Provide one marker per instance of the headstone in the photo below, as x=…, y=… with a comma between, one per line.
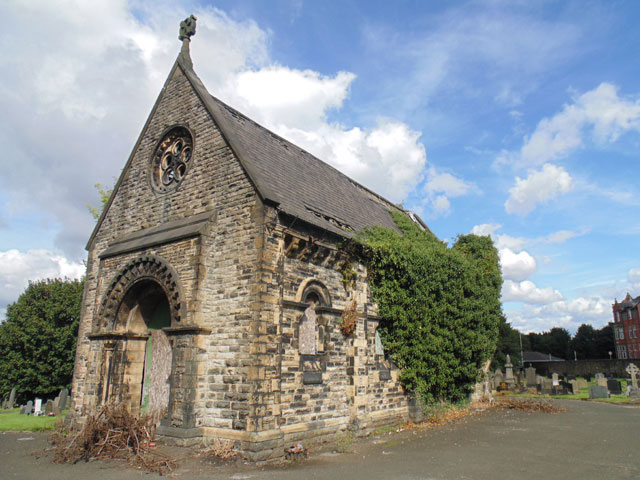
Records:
x=599, y=375
x=48, y=407
x=498, y=378
x=554, y=379
x=508, y=367
x=539, y=379
x=23, y=409
x=530, y=376
x=601, y=381
x=588, y=377
x=575, y=389
x=598, y=391
x=547, y=386
x=37, y=410
x=64, y=394
x=29, y=408
x=582, y=383
x=12, y=398
x=56, y=410
x=614, y=386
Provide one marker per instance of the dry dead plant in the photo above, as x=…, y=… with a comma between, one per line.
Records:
x=349, y=319
x=223, y=449
x=111, y=433
x=528, y=405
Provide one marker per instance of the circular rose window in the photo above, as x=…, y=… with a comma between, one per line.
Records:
x=171, y=159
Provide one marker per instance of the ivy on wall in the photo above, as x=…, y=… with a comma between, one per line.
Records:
x=440, y=306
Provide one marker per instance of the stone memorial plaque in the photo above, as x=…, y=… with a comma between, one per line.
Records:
x=308, y=332
x=384, y=374
x=312, y=378
x=379, y=349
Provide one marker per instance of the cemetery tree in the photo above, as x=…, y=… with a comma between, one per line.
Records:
x=38, y=339
x=508, y=344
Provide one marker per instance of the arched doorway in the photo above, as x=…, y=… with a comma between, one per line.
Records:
x=144, y=312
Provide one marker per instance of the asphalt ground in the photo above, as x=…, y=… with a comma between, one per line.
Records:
x=588, y=441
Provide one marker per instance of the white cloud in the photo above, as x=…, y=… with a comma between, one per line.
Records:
x=516, y=266
x=539, y=187
x=440, y=187
x=566, y=314
x=18, y=268
x=527, y=292
x=600, y=114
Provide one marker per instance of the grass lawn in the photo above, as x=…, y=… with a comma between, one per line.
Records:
x=11, y=420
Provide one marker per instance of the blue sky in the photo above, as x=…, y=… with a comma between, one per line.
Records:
x=519, y=120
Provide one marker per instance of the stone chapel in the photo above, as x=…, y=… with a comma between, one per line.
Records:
x=216, y=286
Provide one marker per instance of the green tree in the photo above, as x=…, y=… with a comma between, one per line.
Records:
x=441, y=307
x=589, y=343
x=508, y=344
x=105, y=195
x=38, y=339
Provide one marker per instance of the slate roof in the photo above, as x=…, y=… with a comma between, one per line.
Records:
x=540, y=357
x=299, y=183
x=285, y=175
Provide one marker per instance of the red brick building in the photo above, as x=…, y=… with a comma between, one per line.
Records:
x=626, y=327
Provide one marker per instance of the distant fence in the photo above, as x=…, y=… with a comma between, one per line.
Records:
x=615, y=367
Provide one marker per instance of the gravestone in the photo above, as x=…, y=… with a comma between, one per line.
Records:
x=29, y=408
x=588, y=377
x=575, y=389
x=614, y=386
x=598, y=391
x=599, y=375
x=582, y=383
x=64, y=397
x=602, y=381
x=530, y=376
x=23, y=409
x=12, y=398
x=37, y=409
x=48, y=407
x=554, y=379
x=498, y=378
x=547, y=386
x=539, y=379
x=508, y=367
x=56, y=409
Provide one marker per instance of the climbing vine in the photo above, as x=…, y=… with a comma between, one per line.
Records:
x=440, y=306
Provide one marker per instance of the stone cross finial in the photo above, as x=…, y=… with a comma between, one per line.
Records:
x=187, y=28
x=633, y=371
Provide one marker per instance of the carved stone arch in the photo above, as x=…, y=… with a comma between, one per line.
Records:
x=312, y=286
x=142, y=269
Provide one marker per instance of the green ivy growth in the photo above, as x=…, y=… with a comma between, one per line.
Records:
x=441, y=306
